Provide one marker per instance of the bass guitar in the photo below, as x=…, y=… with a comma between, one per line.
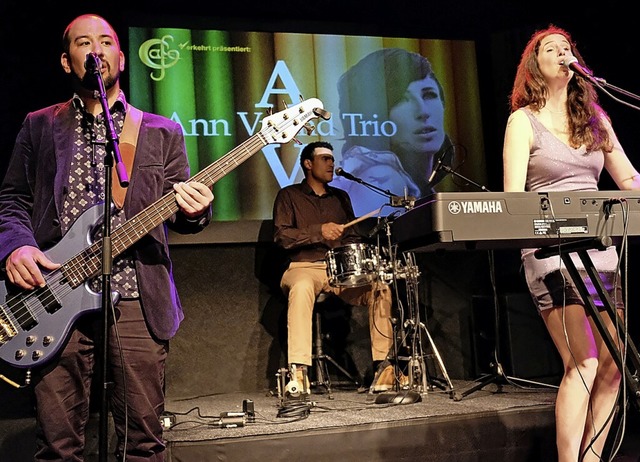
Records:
x=34, y=324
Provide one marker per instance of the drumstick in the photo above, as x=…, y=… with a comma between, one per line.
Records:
x=363, y=217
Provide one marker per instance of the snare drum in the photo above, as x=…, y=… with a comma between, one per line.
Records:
x=352, y=265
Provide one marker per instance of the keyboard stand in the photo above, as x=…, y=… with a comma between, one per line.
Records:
x=629, y=362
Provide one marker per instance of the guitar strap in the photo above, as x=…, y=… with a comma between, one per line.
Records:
x=127, y=144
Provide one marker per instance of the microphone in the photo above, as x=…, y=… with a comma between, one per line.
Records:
x=377, y=228
x=381, y=224
x=92, y=63
x=341, y=172
x=572, y=63
x=436, y=169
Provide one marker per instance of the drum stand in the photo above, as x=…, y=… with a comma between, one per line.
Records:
x=411, y=331
x=415, y=333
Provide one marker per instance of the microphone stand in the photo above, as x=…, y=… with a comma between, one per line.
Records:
x=112, y=152
x=498, y=372
x=448, y=169
x=602, y=84
x=498, y=375
x=394, y=200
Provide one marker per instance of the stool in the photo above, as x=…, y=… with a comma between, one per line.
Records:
x=320, y=359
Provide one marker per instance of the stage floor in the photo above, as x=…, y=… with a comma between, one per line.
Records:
x=499, y=422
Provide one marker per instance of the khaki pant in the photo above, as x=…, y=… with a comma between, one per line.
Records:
x=303, y=281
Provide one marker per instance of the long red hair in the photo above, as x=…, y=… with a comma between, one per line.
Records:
x=585, y=116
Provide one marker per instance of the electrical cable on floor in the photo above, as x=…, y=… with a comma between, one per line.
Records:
x=295, y=409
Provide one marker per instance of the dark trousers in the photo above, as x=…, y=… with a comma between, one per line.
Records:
x=63, y=388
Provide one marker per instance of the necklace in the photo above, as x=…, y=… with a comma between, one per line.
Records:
x=554, y=112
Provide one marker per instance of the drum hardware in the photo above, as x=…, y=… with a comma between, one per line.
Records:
x=287, y=385
x=352, y=265
x=388, y=271
x=409, y=330
x=411, y=327
x=288, y=405
x=360, y=264
x=320, y=360
x=414, y=333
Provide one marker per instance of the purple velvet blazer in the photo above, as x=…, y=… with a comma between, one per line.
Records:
x=35, y=185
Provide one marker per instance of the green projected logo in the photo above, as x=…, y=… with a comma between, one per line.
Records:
x=157, y=54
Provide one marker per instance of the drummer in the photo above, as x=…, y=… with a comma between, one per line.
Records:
x=309, y=220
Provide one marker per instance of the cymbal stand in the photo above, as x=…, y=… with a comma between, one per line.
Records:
x=419, y=378
x=411, y=327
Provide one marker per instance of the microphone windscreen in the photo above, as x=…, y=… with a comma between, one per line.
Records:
x=92, y=62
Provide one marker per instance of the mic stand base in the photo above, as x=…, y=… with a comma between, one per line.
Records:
x=499, y=379
x=398, y=397
x=479, y=384
x=497, y=376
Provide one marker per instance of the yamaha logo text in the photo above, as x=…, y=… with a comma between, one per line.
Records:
x=456, y=207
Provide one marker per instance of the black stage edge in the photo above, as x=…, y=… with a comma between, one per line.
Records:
x=509, y=435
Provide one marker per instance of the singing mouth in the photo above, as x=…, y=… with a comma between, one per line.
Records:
x=425, y=130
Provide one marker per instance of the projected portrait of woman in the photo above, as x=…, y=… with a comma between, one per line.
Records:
x=392, y=113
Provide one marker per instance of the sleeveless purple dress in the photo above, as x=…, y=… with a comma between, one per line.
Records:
x=555, y=166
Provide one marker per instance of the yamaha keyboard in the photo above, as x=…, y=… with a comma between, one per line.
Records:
x=485, y=220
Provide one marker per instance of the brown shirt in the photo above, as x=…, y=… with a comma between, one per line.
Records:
x=298, y=216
